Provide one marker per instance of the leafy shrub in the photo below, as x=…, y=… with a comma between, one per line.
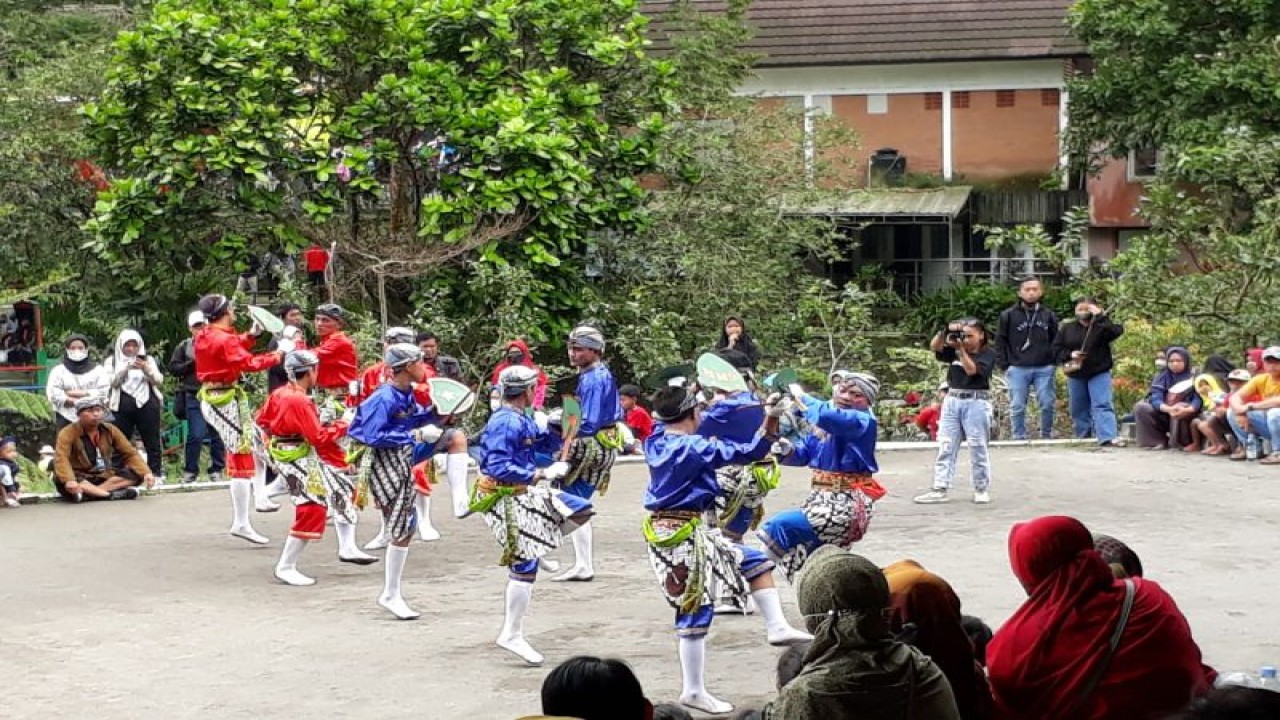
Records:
x=983, y=300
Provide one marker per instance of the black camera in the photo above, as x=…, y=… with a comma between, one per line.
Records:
x=955, y=336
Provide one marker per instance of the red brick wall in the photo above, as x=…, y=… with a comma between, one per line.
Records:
x=1113, y=199
x=989, y=142
x=907, y=127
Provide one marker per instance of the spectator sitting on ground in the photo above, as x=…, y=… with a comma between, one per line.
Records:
x=1253, y=361
x=1215, y=426
x=790, y=663
x=1054, y=658
x=593, y=688
x=979, y=634
x=95, y=461
x=855, y=670
x=1164, y=418
x=45, y=463
x=10, y=486
x=1256, y=408
x=1213, y=396
x=1122, y=560
x=926, y=615
x=635, y=416
x=1233, y=703
x=927, y=418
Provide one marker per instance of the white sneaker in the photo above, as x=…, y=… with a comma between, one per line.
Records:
x=933, y=497
x=378, y=543
x=161, y=480
x=981, y=497
x=11, y=501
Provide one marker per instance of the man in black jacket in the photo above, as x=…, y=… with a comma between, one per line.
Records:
x=187, y=406
x=1024, y=351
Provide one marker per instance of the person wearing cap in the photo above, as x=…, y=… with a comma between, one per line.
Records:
x=388, y=423
x=508, y=494
x=222, y=356
x=1213, y=424
x=696, y=567
x=93, y=460
x=840, y=450
x=1255, y=409
x=182, y=364
x=306, y=453
x=339, y=369
x=587, y=461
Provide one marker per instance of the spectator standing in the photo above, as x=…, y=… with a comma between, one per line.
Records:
x=134, y=397
x=734, y=336
x=1256, y=408
x=79, y=376
x=183, y=366
x=10, y=484
x=1025, y=352
x=966, y=412
x=291, y=314
x=316, y=259
x=95, y=461
x=1164, y=418
x=247, y=283
x=438, y=365
x=517, y=353
x=1083, y=348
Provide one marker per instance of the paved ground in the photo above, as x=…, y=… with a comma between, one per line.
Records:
x=145, y=609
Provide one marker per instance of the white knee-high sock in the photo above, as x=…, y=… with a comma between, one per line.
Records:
x=583, y=539
x=422, y=506
x=381, y=540
x=391, y=599
x=287, y=566
x=693, y=661
x=346, y=533
x=778, y=630
x=519, y=593
x=455, y=472
x=241, y=495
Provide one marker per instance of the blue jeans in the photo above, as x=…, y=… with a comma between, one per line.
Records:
x=1091, y=409
x=963, y=419
x=1021, y=379
x=1263, y=423
x=197, y=432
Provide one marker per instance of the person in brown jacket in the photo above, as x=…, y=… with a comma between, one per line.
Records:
x=95, y=461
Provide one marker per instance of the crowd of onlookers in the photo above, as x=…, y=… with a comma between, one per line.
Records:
x=1094, y=640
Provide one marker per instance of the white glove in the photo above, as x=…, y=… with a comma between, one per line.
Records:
x=555, y=417
x=291, y=332
x=628, y=437
x=777, y=406
x=540, y=419
x=782, y=448
x=255, y=329
x=556, y=470
x=428, y=434
x=286, y=346
x=348, y=415
x=796, y=391
x=326, y=414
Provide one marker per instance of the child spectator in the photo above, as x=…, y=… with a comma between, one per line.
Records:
x=9, y=471
x=927, y=419
x=1212, y=425
x=636, y=418
x=46, y=461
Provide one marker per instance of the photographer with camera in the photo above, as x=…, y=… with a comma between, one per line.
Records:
x=135, y=399
x=966, y=412
x=1083, y=348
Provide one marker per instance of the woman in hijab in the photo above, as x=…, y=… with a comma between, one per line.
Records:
x=1165, y=416
x=135, y=396
x=926, y=614
x=734, y=336
x=78, y=376
x=1122, y=560
x=855, y=670
x=1053, y=660
x=517, y=353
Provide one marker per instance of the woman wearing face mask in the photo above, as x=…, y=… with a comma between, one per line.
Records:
x=1165, y=416
x=134, y=397
x=77, y=377
x=1083, y=348
x=517, y=353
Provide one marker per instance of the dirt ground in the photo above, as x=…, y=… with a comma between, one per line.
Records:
x=148, y=609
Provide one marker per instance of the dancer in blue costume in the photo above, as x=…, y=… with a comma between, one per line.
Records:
x=595, y=448
x=696, y=565
x=528, y=520
x=840, y=449
x=388, y=423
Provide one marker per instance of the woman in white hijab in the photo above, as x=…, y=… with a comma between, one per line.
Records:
x=135, y=396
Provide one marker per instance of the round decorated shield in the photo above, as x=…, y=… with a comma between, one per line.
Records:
x=450, y=397
x=674, y=375
x=716, y=372
x=266, y=319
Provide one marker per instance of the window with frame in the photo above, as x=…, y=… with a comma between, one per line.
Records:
x=933, y=101
x=1144, y=163
x=960, y=99
x=1006, y=98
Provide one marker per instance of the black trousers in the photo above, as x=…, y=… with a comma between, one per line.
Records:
x=146, y=420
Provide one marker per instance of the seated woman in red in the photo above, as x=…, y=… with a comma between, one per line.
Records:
x=1055, y=660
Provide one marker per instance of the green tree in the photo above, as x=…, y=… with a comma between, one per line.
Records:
x=410, y=132
x=1198, y=81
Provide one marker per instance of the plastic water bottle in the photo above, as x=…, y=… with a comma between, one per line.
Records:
x=1251, y=447
x=1267, y=679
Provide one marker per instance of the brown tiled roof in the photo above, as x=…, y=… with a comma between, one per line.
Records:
x=869, y=32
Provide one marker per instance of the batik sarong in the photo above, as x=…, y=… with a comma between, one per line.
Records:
x=528, y=521
x=310, y=479
x=391, y=484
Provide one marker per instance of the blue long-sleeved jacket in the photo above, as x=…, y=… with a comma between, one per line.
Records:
x=508, y=446
x=849, y=445
x=736, y=418
x=682, y=468
x=598, y=395
x=387, y=418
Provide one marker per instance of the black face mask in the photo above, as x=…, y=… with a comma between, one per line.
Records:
x=1084, y=317
x=515, y=357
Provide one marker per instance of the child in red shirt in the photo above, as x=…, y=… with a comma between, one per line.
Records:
x=636, y=417
x=927, y=419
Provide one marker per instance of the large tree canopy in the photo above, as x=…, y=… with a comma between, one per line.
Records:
x=408, y=131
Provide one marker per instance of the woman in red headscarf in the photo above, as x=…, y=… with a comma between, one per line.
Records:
x=517, y=353
x=1052, y=660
